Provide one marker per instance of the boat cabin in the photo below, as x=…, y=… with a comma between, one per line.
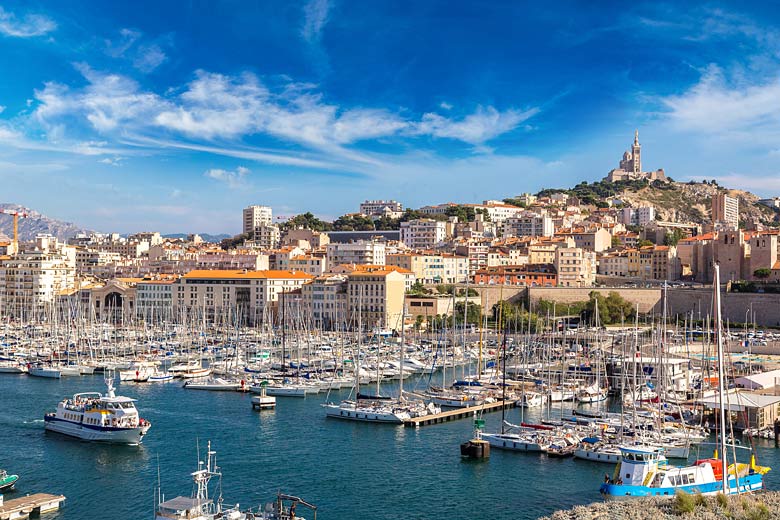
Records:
x=182, y=508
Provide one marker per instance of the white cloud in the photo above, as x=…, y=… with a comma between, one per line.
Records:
x=214, y=113
x=714, y=106
x=111, y=161
x=477, y=128
x=315, y=14
x=446, y=106
x=29, y=26
x=2, y=108
x=233, y=178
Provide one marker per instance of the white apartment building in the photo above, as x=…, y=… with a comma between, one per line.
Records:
x=256, y=216
x=529, y=225
x=423, y=233
x=432, y=268
x=575, y=266
x=637, y=216
x=382, y=208
x=725, y=210
x=363, y=252
x=32, y=279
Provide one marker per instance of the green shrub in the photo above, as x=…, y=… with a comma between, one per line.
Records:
x=683, y=503
x=722, y=500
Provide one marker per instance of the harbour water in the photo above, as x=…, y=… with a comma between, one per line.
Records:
x=349, y=470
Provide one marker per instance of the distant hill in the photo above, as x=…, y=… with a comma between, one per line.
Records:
x=673, y=201
x=36, y=223
x=205, y=236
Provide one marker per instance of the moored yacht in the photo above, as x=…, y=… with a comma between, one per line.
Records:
x=91, y=416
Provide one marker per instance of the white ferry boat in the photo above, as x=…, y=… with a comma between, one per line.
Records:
x=103, y=418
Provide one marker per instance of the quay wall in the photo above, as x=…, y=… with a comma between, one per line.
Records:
x=763, y=308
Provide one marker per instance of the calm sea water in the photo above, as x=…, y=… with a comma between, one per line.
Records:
x=350, y=470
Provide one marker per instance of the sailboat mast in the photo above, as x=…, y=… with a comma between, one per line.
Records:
x=721, y=373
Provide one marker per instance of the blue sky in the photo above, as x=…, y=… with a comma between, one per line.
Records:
x=172, y=116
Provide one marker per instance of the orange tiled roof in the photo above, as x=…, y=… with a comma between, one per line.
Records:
x=240, y=274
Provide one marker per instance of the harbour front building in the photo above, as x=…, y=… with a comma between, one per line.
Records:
x=225, y=294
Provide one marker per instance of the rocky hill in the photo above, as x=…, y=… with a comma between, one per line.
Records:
x=36, y=223
x=673, y=201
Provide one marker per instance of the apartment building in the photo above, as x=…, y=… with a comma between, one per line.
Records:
x=256, y=216
x=32, y=279
x=432, y=268
x=154, y=296
x=637, y=216
x=725, y=210
x=382, y=208
x=530, y=275
x=529, y=225
x=314, y=265
x=325, y=297
x=423, y=233
x=361, y=252
x=247, y=293
x=377, y=297
x=575, y=267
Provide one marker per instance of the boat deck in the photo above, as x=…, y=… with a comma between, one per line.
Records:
x=29, y=505
x=457, y=413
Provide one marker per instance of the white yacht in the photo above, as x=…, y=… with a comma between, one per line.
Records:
x=91, y=416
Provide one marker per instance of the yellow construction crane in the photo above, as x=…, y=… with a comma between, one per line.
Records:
x=15, y=215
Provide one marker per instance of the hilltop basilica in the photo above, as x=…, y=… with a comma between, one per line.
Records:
x=630, y=168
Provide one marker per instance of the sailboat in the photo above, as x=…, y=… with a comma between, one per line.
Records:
x=378, y=408
x=643, y=471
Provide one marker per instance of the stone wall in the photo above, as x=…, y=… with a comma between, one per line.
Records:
x=765, y=308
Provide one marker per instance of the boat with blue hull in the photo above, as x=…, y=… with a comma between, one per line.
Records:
x=642, y=472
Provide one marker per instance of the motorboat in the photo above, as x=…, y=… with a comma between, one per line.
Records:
x=91, y=416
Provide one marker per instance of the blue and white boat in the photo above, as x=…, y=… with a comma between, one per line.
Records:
x=642, y=472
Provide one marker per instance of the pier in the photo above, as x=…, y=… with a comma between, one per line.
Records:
x=457, y=413
x=29, y=505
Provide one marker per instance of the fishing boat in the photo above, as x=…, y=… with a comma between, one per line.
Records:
x=642, y=472
x=199, y=506
x=91, y=416
x=7, y=481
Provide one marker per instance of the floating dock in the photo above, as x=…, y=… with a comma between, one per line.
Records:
x=29, y=505
x=457, y=413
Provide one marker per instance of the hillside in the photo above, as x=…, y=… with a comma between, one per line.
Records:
x=674, y=201
x=36, y=223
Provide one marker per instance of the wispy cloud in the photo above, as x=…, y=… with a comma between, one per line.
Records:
x=315, y=16
x=28, y=26
x=477, y=128
x=714, y=106
x=130, y=45
x=215, y=109
x=233, y=178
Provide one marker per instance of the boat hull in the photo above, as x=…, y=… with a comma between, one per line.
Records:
x=747, y=484
x=597, y=456
x=510, y=442
x=363, y=415
x=92, y=433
